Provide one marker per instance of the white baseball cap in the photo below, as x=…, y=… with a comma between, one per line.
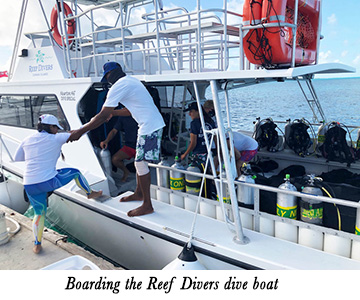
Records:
x=50, y=120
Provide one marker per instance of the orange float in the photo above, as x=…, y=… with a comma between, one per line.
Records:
x=252, y=10
x=71, y=25
x=275, y=43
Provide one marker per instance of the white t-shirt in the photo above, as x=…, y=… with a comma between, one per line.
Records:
x=40, y=153
x=243, y=142
x=131, y=93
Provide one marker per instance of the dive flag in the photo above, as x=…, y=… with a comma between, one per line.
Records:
x=3, y=74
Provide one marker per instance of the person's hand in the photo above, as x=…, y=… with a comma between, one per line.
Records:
x=74, y=136
x=183, y=156
x=103, y=145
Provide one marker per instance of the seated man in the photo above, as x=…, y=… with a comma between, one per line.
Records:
x=197, y=142
x=130, y=128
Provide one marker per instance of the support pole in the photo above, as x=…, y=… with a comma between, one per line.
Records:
x=239, y=238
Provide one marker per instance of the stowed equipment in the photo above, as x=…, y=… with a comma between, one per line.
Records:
x=266, y=135
x=335, y=146
x=297, y=137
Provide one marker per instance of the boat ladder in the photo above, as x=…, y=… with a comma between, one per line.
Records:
x=312, y=99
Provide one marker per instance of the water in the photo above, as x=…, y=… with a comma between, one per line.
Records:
x=339, y=98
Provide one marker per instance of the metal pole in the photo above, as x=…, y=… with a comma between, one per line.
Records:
x=157, y=28
x=198, y=39
x=240, y=238
x=294, y=33
x=17, y=39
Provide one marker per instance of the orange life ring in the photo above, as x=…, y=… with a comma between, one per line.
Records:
x=275, y=43
x=71, y=25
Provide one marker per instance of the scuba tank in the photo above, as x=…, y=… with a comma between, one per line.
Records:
x=355, y=250
x=192, y=182
x=105, y=157
x=357, y=223
x=177, y=182
x=357, y=145
x=225, y=189
x=311, y=211
x=245, y=194
x=256, y=126
x=287, y=131
x=286, y=205
x=358, y=140
x=321, y=136
x=162, y=175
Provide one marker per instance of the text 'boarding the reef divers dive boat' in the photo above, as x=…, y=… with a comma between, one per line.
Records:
x=281, y=213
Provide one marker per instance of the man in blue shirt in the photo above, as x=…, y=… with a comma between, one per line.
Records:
x=197, y=142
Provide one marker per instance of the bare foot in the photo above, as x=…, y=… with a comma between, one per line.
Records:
x=133, y=197
x=37, y=249
x=141, y=210
x=94, y=194
x=125, y=175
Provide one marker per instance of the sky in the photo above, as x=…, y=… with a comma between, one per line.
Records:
x=341, y=41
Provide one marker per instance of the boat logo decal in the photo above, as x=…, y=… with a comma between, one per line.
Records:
x=40, y=67
x=39, y=57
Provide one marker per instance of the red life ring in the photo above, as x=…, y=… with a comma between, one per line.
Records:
x=71, y=25
x=274, y=44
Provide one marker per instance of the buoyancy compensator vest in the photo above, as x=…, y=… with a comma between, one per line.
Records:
x=335, y=146
x=267, y=136
x=298, y=138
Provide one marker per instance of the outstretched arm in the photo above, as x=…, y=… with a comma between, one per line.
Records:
x=95, y=122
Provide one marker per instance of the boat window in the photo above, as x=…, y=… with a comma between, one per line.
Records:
x=24, y=111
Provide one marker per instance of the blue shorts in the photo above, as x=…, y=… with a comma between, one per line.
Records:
x=37, y=192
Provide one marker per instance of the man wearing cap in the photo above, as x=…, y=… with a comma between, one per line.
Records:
x=40, y=152
x=197, y=142
x=138, y=103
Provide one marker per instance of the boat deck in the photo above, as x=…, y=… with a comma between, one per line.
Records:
x=17, y=253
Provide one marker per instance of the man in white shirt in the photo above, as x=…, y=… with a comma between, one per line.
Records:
x=138, y=103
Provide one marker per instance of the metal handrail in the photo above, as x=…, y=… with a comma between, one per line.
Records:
x=3, y=143
x=267, y=188
x=256, y=210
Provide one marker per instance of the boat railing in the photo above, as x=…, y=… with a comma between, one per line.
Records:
x=258, y=216
x=3, y=144
x=165, y=40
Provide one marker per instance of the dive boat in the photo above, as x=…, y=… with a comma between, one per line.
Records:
x=180, y=54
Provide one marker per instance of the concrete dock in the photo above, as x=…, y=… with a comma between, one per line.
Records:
x=17, y=253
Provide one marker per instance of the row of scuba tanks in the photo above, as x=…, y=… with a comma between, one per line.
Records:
x=177, y=180
x=310, y=211
x=329, y=142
